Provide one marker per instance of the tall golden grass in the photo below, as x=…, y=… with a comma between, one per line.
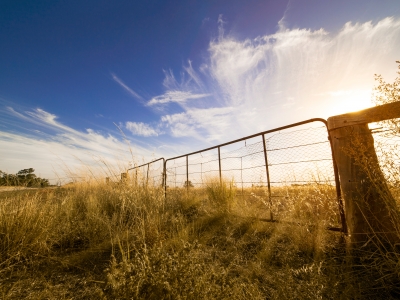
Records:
x=95, y=240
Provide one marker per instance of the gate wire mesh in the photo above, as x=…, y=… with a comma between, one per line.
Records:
x=149, y=174
x=268, y=167
x=387, y=148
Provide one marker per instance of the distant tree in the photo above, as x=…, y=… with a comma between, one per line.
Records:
x=25, y=177
x=8, y=179
x=44, y=182
x=2, y=181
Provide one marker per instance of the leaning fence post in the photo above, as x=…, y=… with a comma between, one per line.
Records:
x=268, y=181
x=370, y=208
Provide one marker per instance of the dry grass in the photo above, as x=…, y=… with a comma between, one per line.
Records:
x=121, y=241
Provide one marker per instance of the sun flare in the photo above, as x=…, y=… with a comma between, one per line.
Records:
x=349, y=101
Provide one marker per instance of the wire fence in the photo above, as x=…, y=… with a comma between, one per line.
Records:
x=151, y=173
x=269, y=167
x=276, y=158
x=262, y=166
x=387, y=147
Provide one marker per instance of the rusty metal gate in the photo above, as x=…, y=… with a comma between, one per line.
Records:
x=263, y=165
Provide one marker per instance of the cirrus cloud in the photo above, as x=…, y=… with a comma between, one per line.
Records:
x=278, y=79
x=141, y=129
x=175, y=96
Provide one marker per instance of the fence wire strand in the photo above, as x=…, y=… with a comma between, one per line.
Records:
x=294, y=157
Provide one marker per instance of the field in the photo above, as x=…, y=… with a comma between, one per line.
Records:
x=121, y=241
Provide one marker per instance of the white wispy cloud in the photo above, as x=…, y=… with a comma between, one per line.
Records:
x=139, y=128
x=199, y=123
x=221, y=23
x=127, y=88
x=278, y=79
x=175, y=96
x=63, y=149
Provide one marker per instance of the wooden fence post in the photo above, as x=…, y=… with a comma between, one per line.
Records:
x=370, y=208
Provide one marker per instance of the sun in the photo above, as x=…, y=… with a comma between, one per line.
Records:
x=349, y=101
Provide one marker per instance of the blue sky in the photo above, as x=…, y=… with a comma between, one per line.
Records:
x=177, y=76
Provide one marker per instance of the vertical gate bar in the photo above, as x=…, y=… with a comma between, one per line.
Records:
x=201, y=173
x=219, y=162
x=147, y=179
x=187, y=172
x=338, y=189
x=241, y=174
x=165, y=182
x=267, y=171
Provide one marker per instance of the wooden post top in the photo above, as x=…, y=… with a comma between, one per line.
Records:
x=369, y=115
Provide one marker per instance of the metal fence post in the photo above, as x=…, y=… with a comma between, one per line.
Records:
x=268, y=181
x=201, y=173
x=219, y=162
x=165, y=179
x=338, y=189
x=147, y=178
x=187, y=172
x=241, y=174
